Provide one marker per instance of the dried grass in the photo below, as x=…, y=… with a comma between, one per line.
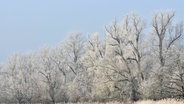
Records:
x=164, y=101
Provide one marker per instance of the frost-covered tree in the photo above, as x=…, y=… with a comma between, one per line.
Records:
x=74, y=50
x=50, y=75
x=167, y=34
x=124, y=40
x=127, y=64
x=21, y=78
x=95, y=52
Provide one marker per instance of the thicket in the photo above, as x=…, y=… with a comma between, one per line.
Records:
x=134, y=61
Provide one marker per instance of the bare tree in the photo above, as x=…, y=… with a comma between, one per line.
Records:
x=167, y=34
x=126, y=37
x=74, y=49
x=95, y=52
x=51, y=76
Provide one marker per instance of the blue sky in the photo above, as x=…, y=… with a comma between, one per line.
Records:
x=27, y=25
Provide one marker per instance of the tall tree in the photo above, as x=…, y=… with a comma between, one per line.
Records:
x=125, y=45
x=50, y=75
x=167, y=34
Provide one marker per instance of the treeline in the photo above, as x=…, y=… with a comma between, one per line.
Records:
x=133, y=61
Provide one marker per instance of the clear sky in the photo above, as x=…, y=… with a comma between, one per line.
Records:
x=27, y=25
